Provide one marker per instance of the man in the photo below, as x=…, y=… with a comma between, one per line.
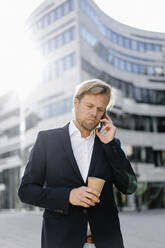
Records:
x=61, y=161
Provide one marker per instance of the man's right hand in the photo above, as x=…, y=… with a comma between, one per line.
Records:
x=84, y=196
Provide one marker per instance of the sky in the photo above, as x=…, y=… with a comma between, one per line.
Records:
x=15, y=63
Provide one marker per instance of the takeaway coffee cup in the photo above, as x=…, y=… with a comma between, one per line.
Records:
x=96, y=183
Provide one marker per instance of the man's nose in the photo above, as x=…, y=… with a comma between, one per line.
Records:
x=94, y=112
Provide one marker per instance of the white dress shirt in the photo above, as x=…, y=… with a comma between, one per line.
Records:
x=82, y=150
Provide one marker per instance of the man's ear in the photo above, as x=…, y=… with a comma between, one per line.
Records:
x=76, y=102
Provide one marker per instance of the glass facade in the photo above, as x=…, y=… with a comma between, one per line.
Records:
x=108, y=56
x=10, y=114
x=10, y=154
x=140, y=95
x=135, y=122
x=147, y=37
x=58, y=41
x=31, y=121
x=147, y=155
x=114, y=37
x=142, y=154
x=56, y=109
x=10, y=178
x=54, y=15
x=45, y=9
x=11, y=132
x=58, y=28
x=57, y=68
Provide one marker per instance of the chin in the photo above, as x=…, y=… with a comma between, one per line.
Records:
x=91, y=128
x=87, y=127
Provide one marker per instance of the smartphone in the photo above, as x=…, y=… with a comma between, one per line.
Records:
x=100, y=125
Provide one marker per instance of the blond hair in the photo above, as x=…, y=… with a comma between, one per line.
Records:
x=94, y=86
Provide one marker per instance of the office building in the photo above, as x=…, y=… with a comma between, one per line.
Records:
x=78, y=41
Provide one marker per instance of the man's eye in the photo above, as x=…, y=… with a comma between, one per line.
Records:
x=89, y=106
x=101, y=110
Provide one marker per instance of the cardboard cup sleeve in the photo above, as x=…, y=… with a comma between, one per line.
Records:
x=96, y=183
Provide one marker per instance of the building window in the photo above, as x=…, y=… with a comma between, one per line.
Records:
x=161, y=124
x=87, y=36
x=140, y=95
x=55, y=14
x=66, y=8
x=57, y=69
x=157, y=47
x=127, y=42
x=141, y=46
x=56, y=109
x=128, y=66
x=31, y=121
x=52, y=16
x=150, y=70
x=141, y=69
x=10, y=114
x=149, y=47
x=10, y=154
x=137, y=94
x=122, y=64
x=159, y=71
x=11, y=132
x=46, y=20
x=58, y=41
x=160, y=97
x=115, y=37
x=116, y=62
x=135, y=68
x=106, y=54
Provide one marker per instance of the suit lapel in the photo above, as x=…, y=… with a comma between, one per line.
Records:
x=95, y=157
x=69, y=151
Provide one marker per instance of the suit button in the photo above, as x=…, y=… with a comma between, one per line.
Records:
x=59, y=211
x=85, y=211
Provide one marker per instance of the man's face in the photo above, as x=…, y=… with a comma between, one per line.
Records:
x=89, y=110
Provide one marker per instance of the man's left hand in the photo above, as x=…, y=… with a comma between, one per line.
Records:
x=108, y=130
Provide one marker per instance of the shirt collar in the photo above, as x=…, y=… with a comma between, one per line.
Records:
x=73, y=130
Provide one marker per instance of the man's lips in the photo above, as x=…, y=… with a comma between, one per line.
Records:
x=91, y=120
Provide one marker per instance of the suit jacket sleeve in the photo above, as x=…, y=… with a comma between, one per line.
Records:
x=123, y=175
x=32, y=189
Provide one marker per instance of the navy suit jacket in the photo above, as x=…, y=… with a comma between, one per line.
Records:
x=52, y=172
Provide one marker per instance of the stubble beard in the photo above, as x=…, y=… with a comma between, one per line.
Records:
x=86, y=126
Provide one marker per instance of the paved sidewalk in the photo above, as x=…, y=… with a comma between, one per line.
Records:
x=20, y=230
x=140, y=230
x=143, y=230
